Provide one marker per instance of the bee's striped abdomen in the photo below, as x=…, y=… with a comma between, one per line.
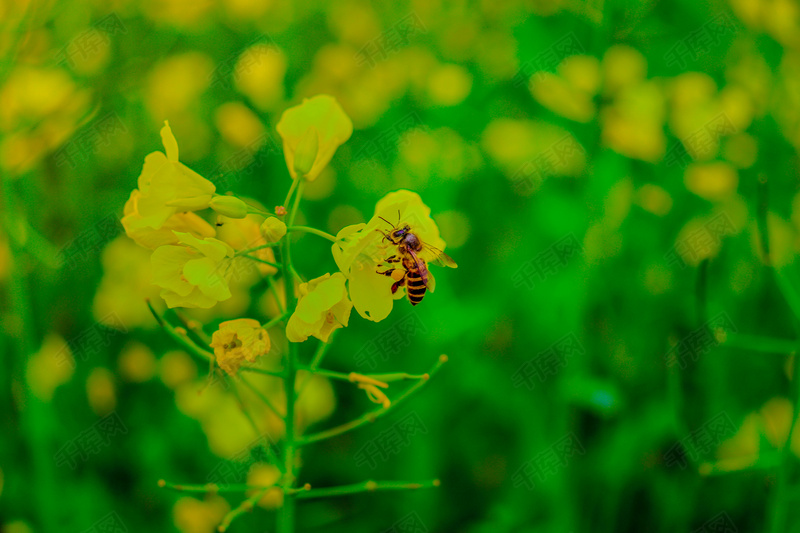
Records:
x=415, y=287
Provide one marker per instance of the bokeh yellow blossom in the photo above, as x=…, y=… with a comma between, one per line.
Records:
x=264, y=475
x=127, y=281
x=239, y=341
x=194, y=274
x=322, y=307
x=191, y=515
x=311, y=133
x=50, y=367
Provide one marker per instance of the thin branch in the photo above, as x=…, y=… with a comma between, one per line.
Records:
x=258, y=260
x=314, y=231
x=372, y=415
x=262, y=397
x=366, y=486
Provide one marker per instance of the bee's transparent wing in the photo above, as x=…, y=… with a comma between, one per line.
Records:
x=439, y=257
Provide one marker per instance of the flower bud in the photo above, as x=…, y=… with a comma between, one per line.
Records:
x=229, y=206
x=306, y=152
x=273, y=229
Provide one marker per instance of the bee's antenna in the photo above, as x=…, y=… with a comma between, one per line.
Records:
x=398, y=216
x=380, y=217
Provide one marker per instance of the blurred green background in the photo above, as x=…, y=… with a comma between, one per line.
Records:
x=617, y=181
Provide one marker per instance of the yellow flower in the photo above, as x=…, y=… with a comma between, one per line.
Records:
x=193, y=274
x=237, y=341
x=168, y=186
x=151, y=237
x=311, y=133
x=323, y=307
x=361, y=249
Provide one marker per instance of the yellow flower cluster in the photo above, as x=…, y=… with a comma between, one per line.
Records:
x=193, y=264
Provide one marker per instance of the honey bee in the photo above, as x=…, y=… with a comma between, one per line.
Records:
x=414, y=270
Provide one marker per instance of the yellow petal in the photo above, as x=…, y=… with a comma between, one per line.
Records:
x=170, y=144
x=333, y=126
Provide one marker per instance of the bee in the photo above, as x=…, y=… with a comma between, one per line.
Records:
x=414, y=270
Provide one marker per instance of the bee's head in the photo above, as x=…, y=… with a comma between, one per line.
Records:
x=401, y=232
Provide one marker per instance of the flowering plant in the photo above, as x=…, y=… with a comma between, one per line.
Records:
x=197, y=266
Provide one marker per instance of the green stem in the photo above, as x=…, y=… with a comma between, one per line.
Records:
x=284, y=315
x=273, y=459
x=256, y=211
x=211, y=487
x=315, y=231
x=262, y=261
x=286, y=513
x=180, y=338
x=295, y=183
x=254, y=249
x=257, y=370
x=366, y=486
x=386, y=378
x=372, y=416
x=319, y=355
x=261, y=396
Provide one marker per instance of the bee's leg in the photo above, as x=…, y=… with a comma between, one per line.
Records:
x=398, y=275
x=399, y=283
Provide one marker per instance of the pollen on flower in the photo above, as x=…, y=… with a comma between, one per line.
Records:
x=239, y=341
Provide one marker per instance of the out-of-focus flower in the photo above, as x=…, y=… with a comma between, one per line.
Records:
x=191, y=515
x=127, y=281
x=360, y=251
x=264, y=475
x=174, y=85
x=242, y=234
x=50, y=367
x=532, y=150
x=259, y=74
x=239, y=126
x=239, y=341
x=273, y=229
x=152, y=238
x=167, y=187
x=322, y=307
x=176, y=368
x=311, y=133
x=136, y=363
x=449, y=85
x=770, y=424
x=633, y=124
x=40, y=108
x=194, y=274
x=713, y=181
x=570, y=92
x=101, y=391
